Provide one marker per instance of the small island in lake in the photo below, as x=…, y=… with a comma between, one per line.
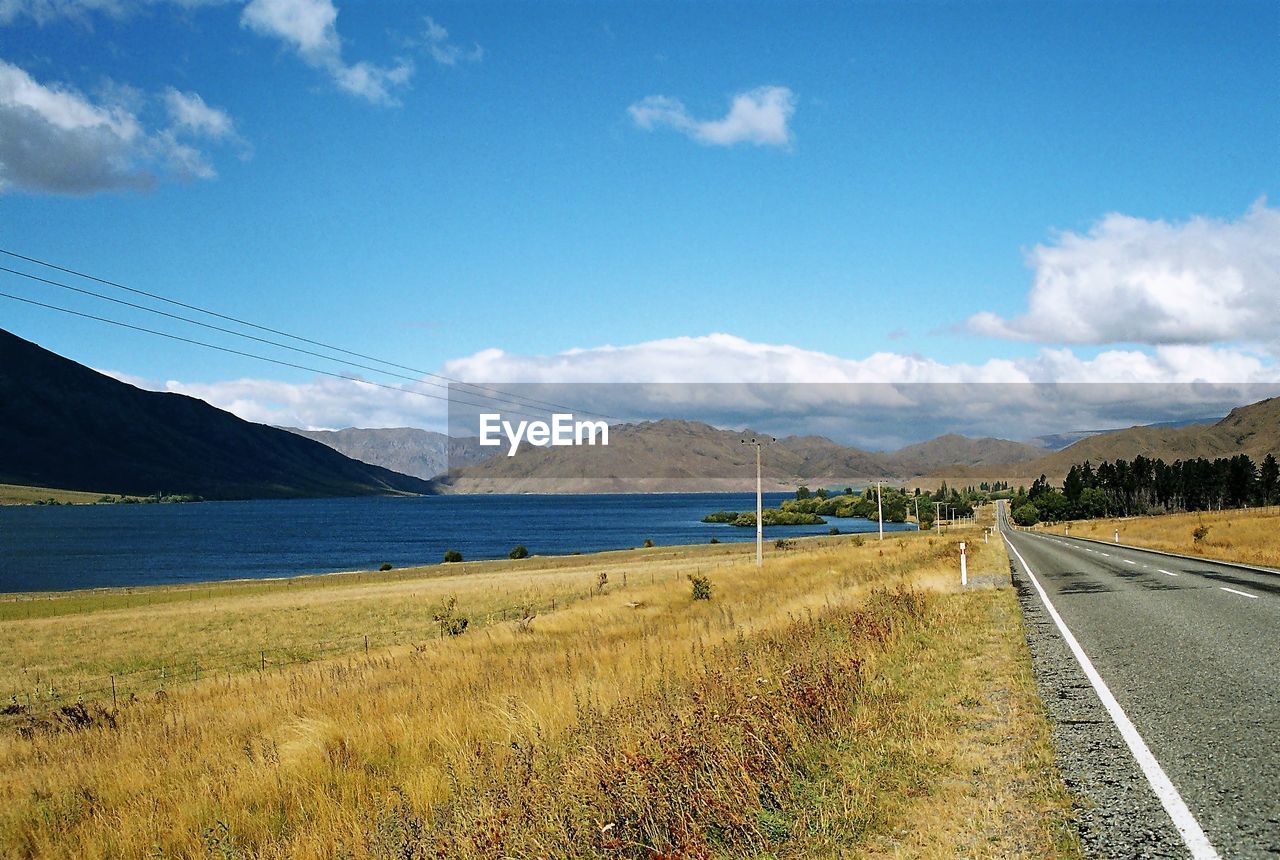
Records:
x=772, y=517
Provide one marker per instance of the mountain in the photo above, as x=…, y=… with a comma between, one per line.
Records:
x=954, y=449
x=422, y=453
x=672, y=455
x=65, y=426
x=1058, y=441
x=1252, y=430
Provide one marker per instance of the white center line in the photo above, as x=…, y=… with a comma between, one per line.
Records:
x=1192, y=835
x=1107, y=554
x=1166, y=572
x=1241, y=593
x=1126, y=561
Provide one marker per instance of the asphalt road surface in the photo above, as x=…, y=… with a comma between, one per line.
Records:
x=1177, y=662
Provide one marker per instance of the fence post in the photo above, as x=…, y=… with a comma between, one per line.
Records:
x=113, y=692
x=964, y=567
x=262, y=658
x=366, y=644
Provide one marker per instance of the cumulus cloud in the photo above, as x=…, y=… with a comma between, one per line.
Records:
x=323, y=403
x=310, y=28
x=55, y=139
x=189, y=111
x=759, y=116
x=882, y=400
x=435, y=38
x=1130, y=280
x=47, y=11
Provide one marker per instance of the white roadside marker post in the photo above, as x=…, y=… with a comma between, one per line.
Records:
x=1117, y=535
x=964, y=567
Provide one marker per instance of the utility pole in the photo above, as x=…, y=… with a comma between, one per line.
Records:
x=880, y=510
x=937, y=515
x=759, y=443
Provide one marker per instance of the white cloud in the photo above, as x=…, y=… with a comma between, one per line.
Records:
x=759, y=116
x=435, y=38
x=882, y=400
x=189, y=111
x=1129, y=280
x=55, y=139
x=310, y=28
x=725, y=358
x=323, y=403
x=48, y=11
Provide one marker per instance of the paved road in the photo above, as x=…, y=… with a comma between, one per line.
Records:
x=1190, y=651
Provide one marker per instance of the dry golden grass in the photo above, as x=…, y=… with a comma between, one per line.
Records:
x=1250, y=536
x=15, y=494
x=74, y=642
x=383, y=755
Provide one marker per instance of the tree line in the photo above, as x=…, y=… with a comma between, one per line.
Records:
x=1143, y=486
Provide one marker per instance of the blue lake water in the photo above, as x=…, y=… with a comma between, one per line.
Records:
x=93, y=546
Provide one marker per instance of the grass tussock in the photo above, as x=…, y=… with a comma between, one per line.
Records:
x=806, y=709
x=1248, y=536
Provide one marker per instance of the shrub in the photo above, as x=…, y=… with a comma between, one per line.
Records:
x=451, y=622
x=784, y=543
x=1026, y=515
x=385, y=566
x=520, y=551
x=715, y=540
x=701, y=586
x=452, y=555
x=648, y=543
x=859, y=540
x=602, y=579
x=833, y=530
x=1199, y=533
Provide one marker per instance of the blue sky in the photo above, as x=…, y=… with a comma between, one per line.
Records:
x=436, y=183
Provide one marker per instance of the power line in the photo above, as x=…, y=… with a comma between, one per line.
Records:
x=226, y=349
x=225, y=330
x=299, y=338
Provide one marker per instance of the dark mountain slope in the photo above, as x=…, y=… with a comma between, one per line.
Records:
x=66, y=426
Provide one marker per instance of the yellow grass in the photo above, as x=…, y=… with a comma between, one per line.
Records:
x=370, y=756
x=1249, y=536
x=14, y=494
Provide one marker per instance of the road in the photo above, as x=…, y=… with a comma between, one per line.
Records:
x=1189, y=651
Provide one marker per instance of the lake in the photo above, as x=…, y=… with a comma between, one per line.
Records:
x=94, y=546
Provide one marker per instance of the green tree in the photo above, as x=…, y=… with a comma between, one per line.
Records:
x=1269, y=480
x=1027, y=515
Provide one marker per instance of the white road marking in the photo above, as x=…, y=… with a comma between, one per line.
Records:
x=1126, y=561
x=1166, y=572
x=1107, y=554
x=1192, y=835
x=1241, y=593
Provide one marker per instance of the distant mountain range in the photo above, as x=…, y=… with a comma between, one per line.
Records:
x=422, y=453
x=1058, y=441
x=672, y=455
x=1252, y=430
x=65, y=426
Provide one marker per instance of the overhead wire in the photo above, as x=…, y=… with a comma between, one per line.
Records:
x=245, y=354
x=299, y=338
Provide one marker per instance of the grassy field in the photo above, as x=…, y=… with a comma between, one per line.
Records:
x=843, y=701
x=1250, y=536
x=14, y=494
